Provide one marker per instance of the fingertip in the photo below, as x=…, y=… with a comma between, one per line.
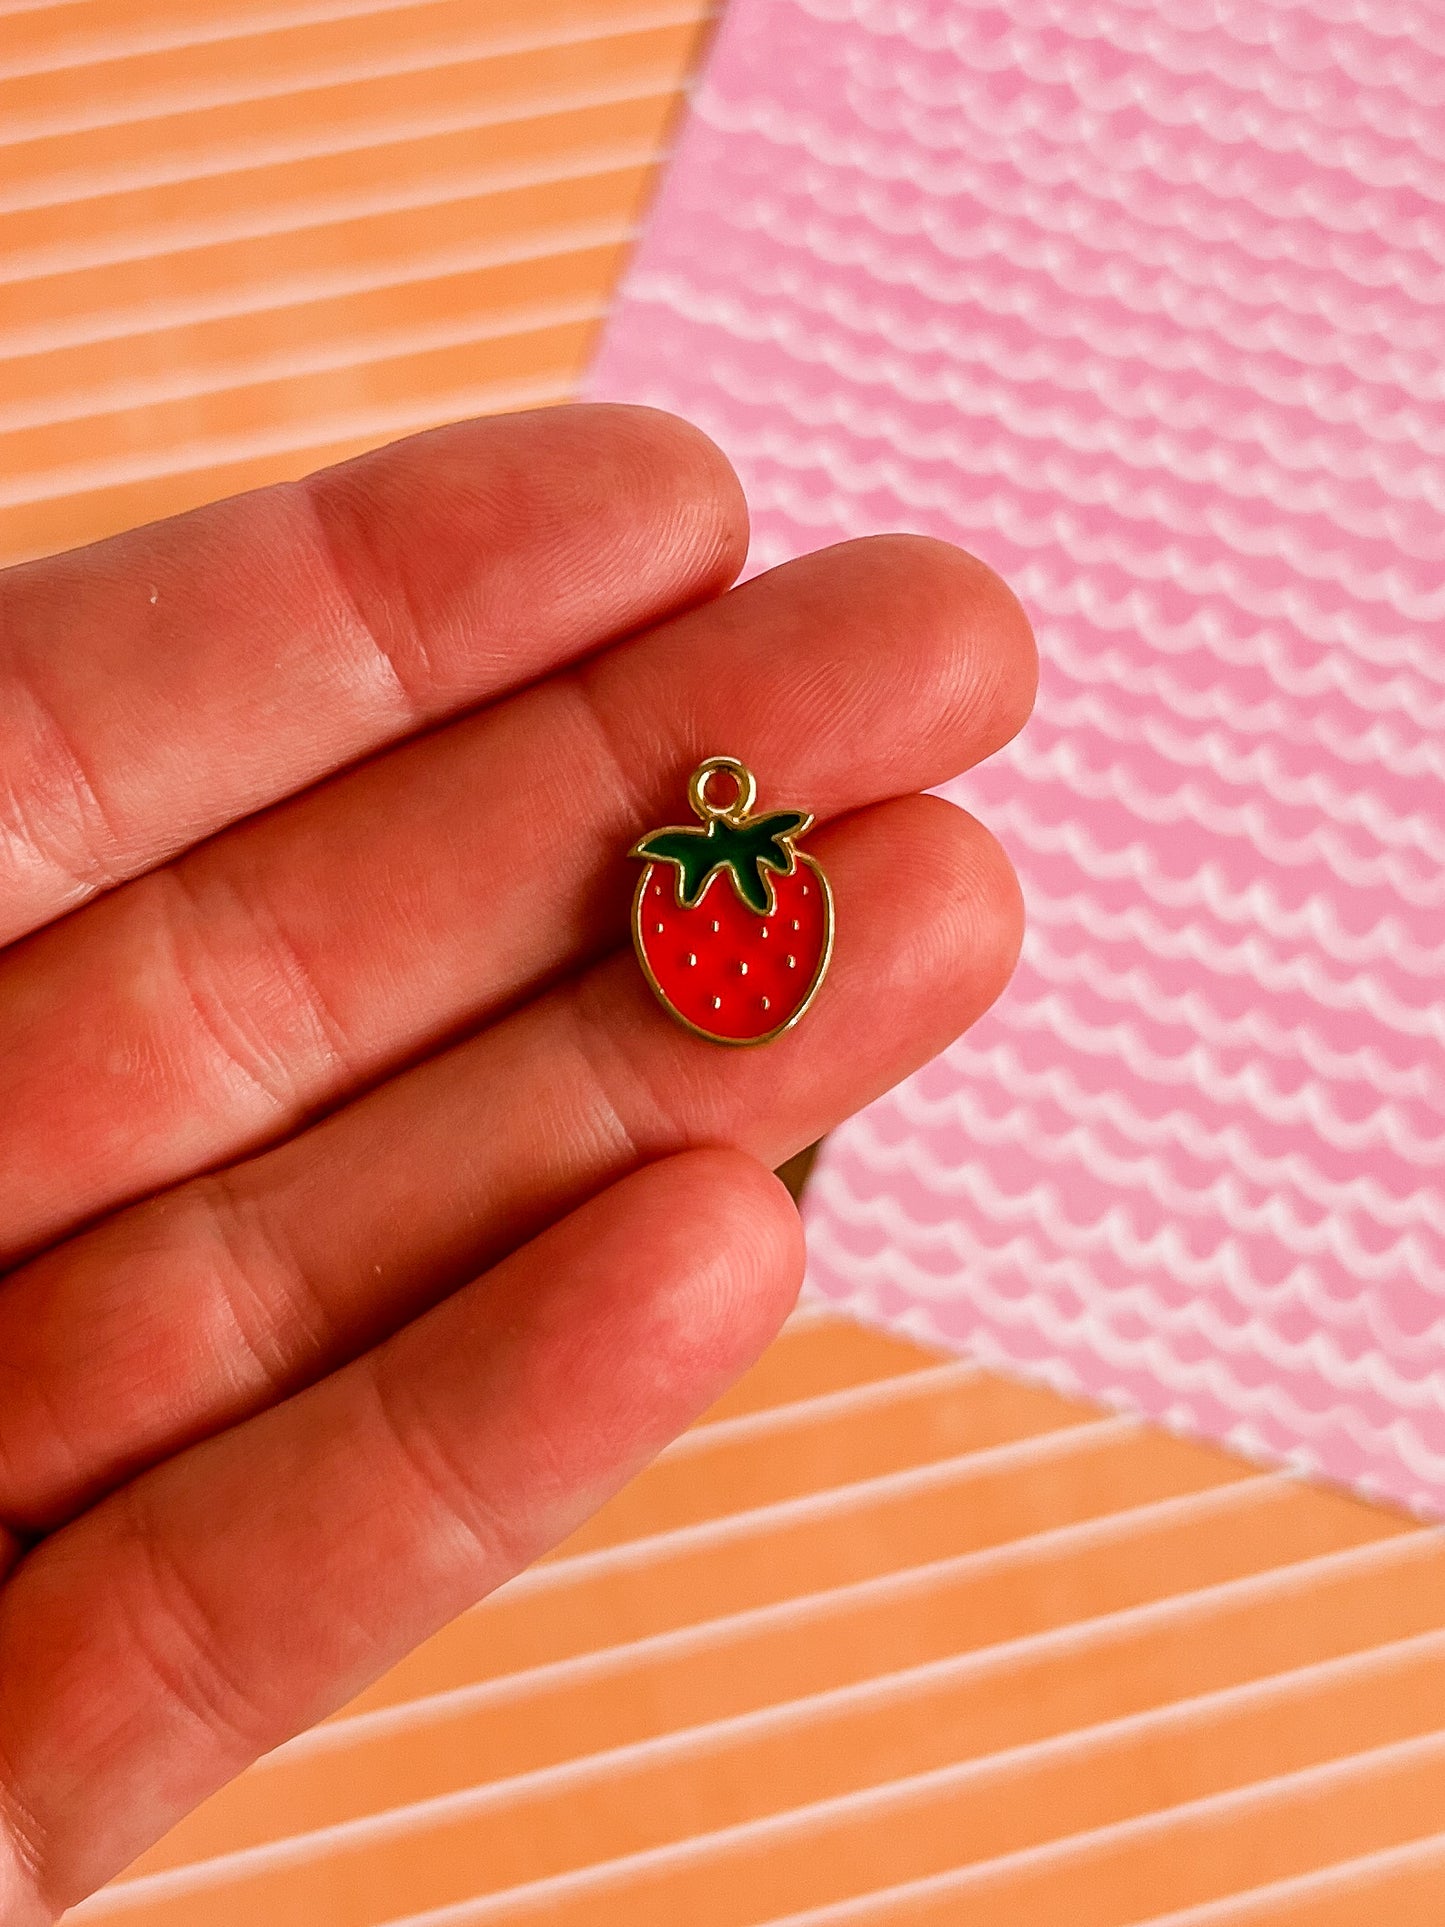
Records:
x=744, y=1241
x=532, y=537
x=757, y=1213
x=996, y=900
x=930, y=921
x=977, y=925
x=901, y=660
x=678, y=467
x=976, y=624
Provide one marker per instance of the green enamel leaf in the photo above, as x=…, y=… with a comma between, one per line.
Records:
x=743, y=849
x=692, y=851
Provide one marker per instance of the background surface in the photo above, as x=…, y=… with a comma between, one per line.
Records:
x=887, y=1638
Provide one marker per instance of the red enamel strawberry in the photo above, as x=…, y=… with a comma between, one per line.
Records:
x=733, y=924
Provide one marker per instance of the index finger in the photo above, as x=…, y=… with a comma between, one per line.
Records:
x=158, y=686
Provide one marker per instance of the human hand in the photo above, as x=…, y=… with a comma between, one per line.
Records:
x=365, y=1222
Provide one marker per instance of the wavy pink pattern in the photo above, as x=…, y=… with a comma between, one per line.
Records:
x=1144, y=300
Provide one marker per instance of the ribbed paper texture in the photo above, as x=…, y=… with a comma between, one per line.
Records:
x=238, y=243
x=887, y=1640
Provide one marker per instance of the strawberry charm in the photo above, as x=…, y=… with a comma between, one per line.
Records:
x=733, y=926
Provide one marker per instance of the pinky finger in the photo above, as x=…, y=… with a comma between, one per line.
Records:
x=256, y=1582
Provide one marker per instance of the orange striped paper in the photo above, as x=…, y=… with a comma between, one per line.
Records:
x=884, y=1639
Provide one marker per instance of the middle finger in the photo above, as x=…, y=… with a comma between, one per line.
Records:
x=204, y=1305
x=213, y=1006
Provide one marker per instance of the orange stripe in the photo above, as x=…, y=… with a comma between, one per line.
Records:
x=234, y=246
x=749, y=1691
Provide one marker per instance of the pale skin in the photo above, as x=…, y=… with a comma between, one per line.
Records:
x=364, y=1222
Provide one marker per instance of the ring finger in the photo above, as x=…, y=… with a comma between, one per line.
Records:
x=209, y=1303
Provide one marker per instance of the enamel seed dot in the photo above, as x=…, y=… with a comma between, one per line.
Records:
x=715, y=924
x=764, y=1002
x=658, y=928
x=792, y=963
x=796, y=924
x=717, y=1003
x=691, y=958
x=742, y=970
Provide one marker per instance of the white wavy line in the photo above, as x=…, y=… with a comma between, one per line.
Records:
x=1197, y=1068
x=1419, y=1458
x=1376, y=1447
x=1048, y=1274
x=1280, y=543
x=1313, y=922
x=1135, y=860
x=1064, y=762
x=1189, y=337
x=1369, y=17
x=1028, y=233
x=1077, y=593
x=904, y=138
x=1108, y=372
x=1267, y=78
x=1257, y=770
x=1046, y=430
x=933, y=494
x=1226, y=1196
x=1225, y=1264
x=1002, y=515
x=1191, y=1010
x=1258, y=764
x=1380, y=745
x=1046, y=230
x=1248, y=823
x=889, y=359
x=888, y=147
x=1250, y=958
x=1189, y=53
x=1230, y=1144
x=1054, y=1280
x=1091, y=367
x=1176, y=216
x=1223, y=1202
x=1194, y=233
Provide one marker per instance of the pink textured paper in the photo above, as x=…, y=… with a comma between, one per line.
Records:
x=1145, y=303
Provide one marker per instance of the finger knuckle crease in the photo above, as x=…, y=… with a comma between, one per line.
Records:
x=57, y=812
x=274, y=1309
x=26, y=1837
x=628, y=1106
x=255, y=1001
x=180, y=1646
x=616, y=776
x=445, y=1482
x=357, y=609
